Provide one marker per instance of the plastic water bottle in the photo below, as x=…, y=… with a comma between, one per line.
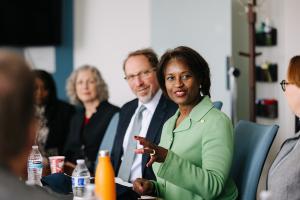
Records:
x=89, y=193
x=35, y=167
x=105, y=187
x=80, y=178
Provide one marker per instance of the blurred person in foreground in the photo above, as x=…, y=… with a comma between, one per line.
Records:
x=17, y=127
x=55, y=115
x=194, y=156
x=87, y=89
x=283, y=178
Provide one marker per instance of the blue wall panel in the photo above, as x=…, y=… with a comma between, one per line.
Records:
x=64, y=52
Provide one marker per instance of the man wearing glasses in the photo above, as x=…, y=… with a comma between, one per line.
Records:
x=143, y=116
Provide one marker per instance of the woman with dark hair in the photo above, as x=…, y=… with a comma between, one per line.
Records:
x=55, y=115
x=283, y=178
x=194, y=156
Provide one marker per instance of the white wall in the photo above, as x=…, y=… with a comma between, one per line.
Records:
x=204, y=25
x=105, y=31
x=291, y=28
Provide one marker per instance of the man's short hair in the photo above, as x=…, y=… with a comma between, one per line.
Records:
x=148, y=53
x=16, y=104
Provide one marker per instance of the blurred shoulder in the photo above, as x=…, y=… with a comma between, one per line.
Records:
x=219, y=115
x=12, y=188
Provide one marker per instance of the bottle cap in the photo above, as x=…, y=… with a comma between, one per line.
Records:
x=103, y=153
x=35, y=147
x=80, y=161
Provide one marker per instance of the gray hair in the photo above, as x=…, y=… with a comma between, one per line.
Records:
x=102, y=91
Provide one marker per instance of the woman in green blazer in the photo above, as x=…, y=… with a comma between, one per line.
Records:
x=193, y=159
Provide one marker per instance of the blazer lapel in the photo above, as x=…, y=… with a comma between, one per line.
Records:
x=157, y=121
x=286, y=148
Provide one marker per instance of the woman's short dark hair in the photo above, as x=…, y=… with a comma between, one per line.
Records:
x=191, y=59
x=48, y=82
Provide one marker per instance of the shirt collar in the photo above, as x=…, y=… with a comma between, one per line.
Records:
x=197, y=113
x=152, y=104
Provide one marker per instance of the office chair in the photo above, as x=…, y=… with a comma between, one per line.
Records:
x=110, y=134
x=218, y=104
x=252, y=144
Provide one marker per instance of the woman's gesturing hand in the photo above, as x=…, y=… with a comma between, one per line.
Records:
x=143, y=186
x=157, y=153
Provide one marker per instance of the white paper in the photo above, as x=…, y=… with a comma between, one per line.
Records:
x=148, y=197
x=121, y=182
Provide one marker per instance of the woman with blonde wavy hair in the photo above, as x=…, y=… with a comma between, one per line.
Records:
x=86, y=88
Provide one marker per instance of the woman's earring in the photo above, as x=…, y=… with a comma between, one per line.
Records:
x=201, y=93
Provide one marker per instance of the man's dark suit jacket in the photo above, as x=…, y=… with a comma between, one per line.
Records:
x=88, y=136
x=164, y=110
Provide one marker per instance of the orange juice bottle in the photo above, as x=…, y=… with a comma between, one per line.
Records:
x=105, y=187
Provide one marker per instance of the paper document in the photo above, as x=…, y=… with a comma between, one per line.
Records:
x=148, y=197
x=121, y=182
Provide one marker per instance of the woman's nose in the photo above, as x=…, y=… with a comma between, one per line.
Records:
x=86, y=84
x=178, y=82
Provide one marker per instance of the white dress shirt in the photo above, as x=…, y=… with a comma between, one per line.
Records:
x=136, y=169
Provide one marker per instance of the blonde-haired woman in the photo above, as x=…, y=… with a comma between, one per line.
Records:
x=283, y=178
x=86, y=88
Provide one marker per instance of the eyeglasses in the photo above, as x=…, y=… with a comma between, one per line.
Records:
x=143, y=74
x=283, y=84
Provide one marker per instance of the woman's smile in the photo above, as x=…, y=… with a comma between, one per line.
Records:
x=180, y=93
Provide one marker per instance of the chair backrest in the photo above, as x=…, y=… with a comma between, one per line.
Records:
x=218, y=104
x=110, y=134
x=252, y=144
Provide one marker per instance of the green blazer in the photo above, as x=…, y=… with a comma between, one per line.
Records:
x=199, y=159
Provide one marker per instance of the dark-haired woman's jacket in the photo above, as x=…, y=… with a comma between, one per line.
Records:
x=58, y=115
